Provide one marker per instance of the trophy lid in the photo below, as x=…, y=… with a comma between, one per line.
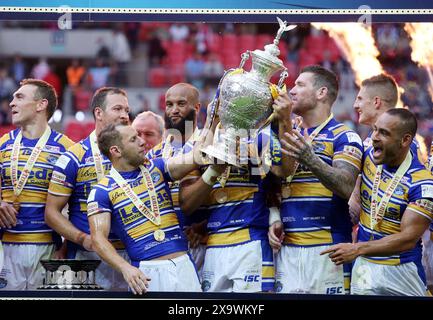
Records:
x=269, y=56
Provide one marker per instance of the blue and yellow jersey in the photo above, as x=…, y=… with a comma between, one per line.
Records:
x=155, y=153
x=31, y=226
x=414, y=192
x=132, y=227
x=238, y=212
x=74, y=175
x=312, y=214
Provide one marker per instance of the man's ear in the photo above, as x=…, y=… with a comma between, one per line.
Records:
x=377, y=101
x=406, y=140
x=115, y=152
x=42, y=105
x=321, y=93
x=98, y=113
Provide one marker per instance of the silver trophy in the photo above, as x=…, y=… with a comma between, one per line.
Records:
x=65, y=274
x=244, y=103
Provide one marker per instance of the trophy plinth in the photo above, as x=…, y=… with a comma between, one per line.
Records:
x=65, y=274
x=245, y=104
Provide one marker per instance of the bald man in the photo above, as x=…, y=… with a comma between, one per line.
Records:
x=150, y=128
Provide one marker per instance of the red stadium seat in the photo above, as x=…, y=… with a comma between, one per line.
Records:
x=75, y=130
x=157, y=77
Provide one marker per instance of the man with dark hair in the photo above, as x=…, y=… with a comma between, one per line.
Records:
x=135, y=199
x=377, y=95
x=182, y=103
x=314, y=209
x=397, y=208
x=80, y=168
x=27, y=158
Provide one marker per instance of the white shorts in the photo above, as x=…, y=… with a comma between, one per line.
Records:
x=174, y=275
x=105, y=276
x=245, y=267
x=22, y=269
x=427, y=257
x=377, y=279
x=304, y=270
x=197, y=255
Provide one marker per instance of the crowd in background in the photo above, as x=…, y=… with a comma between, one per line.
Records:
x=199, y=53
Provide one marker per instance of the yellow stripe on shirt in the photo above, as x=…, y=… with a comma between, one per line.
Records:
x=320, y=237
x=27, y=237
x=167, y=220
x=229, y=238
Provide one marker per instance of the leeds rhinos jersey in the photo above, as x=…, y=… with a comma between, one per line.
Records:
x=31, y=226
x=312, y=215
x=414, y=192
x=238, y=212
x=74, y=175
x=132, y=227
x=157, y=152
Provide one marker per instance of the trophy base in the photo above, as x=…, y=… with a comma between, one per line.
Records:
x=70, y=287
x=67, y=274
x=231, y=159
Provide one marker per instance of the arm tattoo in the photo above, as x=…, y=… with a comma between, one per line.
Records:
x=340, y=178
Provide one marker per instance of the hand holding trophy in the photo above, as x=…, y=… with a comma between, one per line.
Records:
x=244, y=102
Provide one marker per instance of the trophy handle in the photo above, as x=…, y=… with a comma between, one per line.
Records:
x=283, y=76
x=244, y=56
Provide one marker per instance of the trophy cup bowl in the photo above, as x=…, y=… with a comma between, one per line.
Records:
x=245, y=104
x=67, y=274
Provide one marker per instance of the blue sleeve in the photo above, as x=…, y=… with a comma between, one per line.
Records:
x=98, y=201
x=161, y=165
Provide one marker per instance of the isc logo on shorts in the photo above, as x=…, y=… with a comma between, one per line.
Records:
x=334, y=290
x=252, y=278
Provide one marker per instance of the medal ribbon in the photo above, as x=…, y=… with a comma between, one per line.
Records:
x=18, y=184
x=311, y=137
x=167, y=152
x=153, y=214
x=97, y=157
x=378, y=209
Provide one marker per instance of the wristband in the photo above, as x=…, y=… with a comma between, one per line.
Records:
x=210, y=175
x=274, y=215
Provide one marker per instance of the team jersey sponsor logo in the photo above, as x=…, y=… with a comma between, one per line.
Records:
x=52, y=159
x=319, y=146
x=52, y=148
x=155, y=177
x=92, y=208
x=352, y=151
x=427, y=191
x=63, y=162
x=58, y=177
x=353, y=137
x=89, y=160
x=399, y=190
x=425, y=204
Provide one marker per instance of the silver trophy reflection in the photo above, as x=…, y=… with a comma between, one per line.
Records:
x=244, y=103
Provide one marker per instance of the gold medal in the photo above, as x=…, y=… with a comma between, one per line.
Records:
x=286, y=191
x=159, y=235
x=221, y=196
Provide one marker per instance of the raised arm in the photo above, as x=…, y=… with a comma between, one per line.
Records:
x=340, y=178
x=283, y=111
x=194, y=191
